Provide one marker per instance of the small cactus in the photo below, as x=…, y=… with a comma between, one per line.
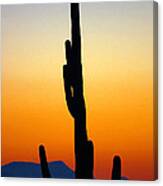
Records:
x=43, y=162
x=116, y=170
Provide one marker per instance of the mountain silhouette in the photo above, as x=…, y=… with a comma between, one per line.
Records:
x=58, y=169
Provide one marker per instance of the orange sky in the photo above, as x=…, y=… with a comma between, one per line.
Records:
x=117, y=52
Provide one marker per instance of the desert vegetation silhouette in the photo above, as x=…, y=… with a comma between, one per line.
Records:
x=73, y=86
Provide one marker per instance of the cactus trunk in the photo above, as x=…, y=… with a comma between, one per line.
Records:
x=73, y=83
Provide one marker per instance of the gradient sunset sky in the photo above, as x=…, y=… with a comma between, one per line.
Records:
x=117, y=53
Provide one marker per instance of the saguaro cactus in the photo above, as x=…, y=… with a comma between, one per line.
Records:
x=116, y=170
x=73, y=84
x=43, y=162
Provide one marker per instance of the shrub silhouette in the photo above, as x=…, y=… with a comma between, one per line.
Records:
x=73, y=85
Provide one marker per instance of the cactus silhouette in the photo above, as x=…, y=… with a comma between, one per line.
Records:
x=73, y=85
x=43, y=162
x=116, y=170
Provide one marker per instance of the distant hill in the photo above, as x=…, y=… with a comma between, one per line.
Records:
x=58, y=169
